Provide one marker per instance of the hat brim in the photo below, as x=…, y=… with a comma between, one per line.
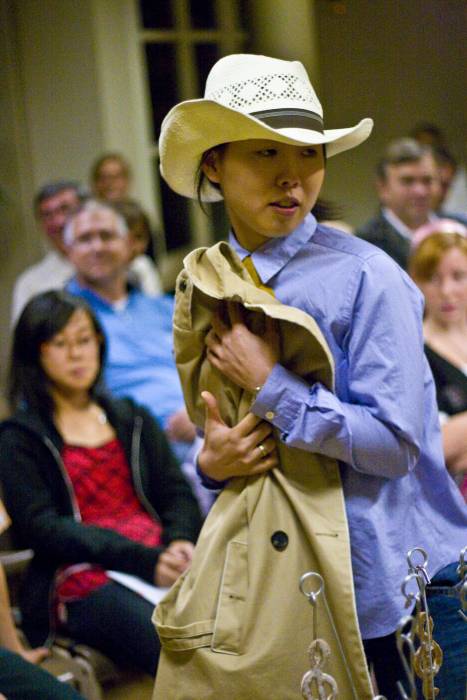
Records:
x=195, y=126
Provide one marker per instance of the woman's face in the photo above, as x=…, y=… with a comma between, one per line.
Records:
x=446, y=291
x=70, y=359
x=268, y=187
x=112, y=182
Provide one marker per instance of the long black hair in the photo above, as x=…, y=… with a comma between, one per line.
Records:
x=42, y=318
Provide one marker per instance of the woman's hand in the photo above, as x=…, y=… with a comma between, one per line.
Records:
x=248, y=448
x=244, y=357
x=173, y=562
x=35, y=656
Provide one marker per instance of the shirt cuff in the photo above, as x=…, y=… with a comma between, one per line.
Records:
x=281, y=398
x=207, y=482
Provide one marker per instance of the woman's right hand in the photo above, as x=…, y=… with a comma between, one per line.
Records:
x=236, y=451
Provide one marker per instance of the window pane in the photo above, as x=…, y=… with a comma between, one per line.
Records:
x=162, y=76
x=202, y=14
x=176, y=218
x=156, y=14
x=206, y=56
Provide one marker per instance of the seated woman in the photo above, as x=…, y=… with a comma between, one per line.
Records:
x=438, y=265
x=91, y=485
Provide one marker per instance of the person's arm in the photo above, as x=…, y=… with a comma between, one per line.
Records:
x=374, y=422
x=166, y=487
x=9, y=638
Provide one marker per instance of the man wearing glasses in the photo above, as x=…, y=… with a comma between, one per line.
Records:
x=53, y=204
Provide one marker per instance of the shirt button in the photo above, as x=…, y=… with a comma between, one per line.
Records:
x=279, y=540
x=270, y=415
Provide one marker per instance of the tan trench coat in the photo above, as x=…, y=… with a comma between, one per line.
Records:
x=235, y=626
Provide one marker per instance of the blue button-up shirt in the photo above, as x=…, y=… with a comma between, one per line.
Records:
x=381, y=422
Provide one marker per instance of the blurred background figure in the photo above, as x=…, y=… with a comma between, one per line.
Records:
x=53, y=203
x=111, y=182
x=452, y=175
x=438, y=265
x=143, y=270
x=406, y=179
x=111, y=178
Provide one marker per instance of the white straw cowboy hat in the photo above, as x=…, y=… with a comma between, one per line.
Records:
x=246, y=97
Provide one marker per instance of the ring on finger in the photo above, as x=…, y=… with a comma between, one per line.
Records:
x=262, y=449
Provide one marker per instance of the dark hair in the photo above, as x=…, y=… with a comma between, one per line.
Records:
x=44, y=316
x=133, y=213
x=50, y=189
x=99, y=162
x=399, y=151
x=428, y=133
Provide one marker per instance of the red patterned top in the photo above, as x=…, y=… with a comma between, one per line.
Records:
x=106, y=497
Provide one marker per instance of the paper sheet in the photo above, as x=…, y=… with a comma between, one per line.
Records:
x=146, y=590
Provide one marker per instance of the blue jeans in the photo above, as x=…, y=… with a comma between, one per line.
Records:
x=449, y=630
x=117, y=622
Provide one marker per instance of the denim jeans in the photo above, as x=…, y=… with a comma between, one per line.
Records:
x=449, y=631
x=117, y=622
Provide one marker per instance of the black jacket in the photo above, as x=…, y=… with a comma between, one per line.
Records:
x=41, y=504
x=383, y=235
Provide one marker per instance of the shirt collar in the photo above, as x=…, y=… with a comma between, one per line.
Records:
x=74, y=287
x=399, y=225
x=273, y=255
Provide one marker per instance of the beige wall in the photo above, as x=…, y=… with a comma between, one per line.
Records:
x=399, y=62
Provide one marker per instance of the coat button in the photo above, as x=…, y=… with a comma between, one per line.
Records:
x=270, y=415
x=279, y=540
x=182, y=286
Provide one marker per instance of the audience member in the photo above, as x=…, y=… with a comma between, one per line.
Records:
x=438, y=264
x=140, y=361
x=139, y=233
x=111, y=178
x=453, y=174
x=20, y=677
x=406, y=180
x=52, y=205
x=91, y=485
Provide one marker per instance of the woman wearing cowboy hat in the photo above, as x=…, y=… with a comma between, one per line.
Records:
x=257, y=141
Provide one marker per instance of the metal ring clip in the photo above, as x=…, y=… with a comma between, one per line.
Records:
x=311, y=594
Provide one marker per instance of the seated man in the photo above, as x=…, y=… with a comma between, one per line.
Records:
x=140, y=361
x=54, y=202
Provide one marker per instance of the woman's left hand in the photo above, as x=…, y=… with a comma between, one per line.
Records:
x=242, y=356
x=172, y=562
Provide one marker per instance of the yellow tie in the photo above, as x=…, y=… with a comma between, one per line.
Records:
x=248, y=263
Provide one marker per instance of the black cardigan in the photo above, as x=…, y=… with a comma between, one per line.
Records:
x=45, y=518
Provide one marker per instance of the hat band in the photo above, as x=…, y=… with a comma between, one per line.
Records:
x=290, y=118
